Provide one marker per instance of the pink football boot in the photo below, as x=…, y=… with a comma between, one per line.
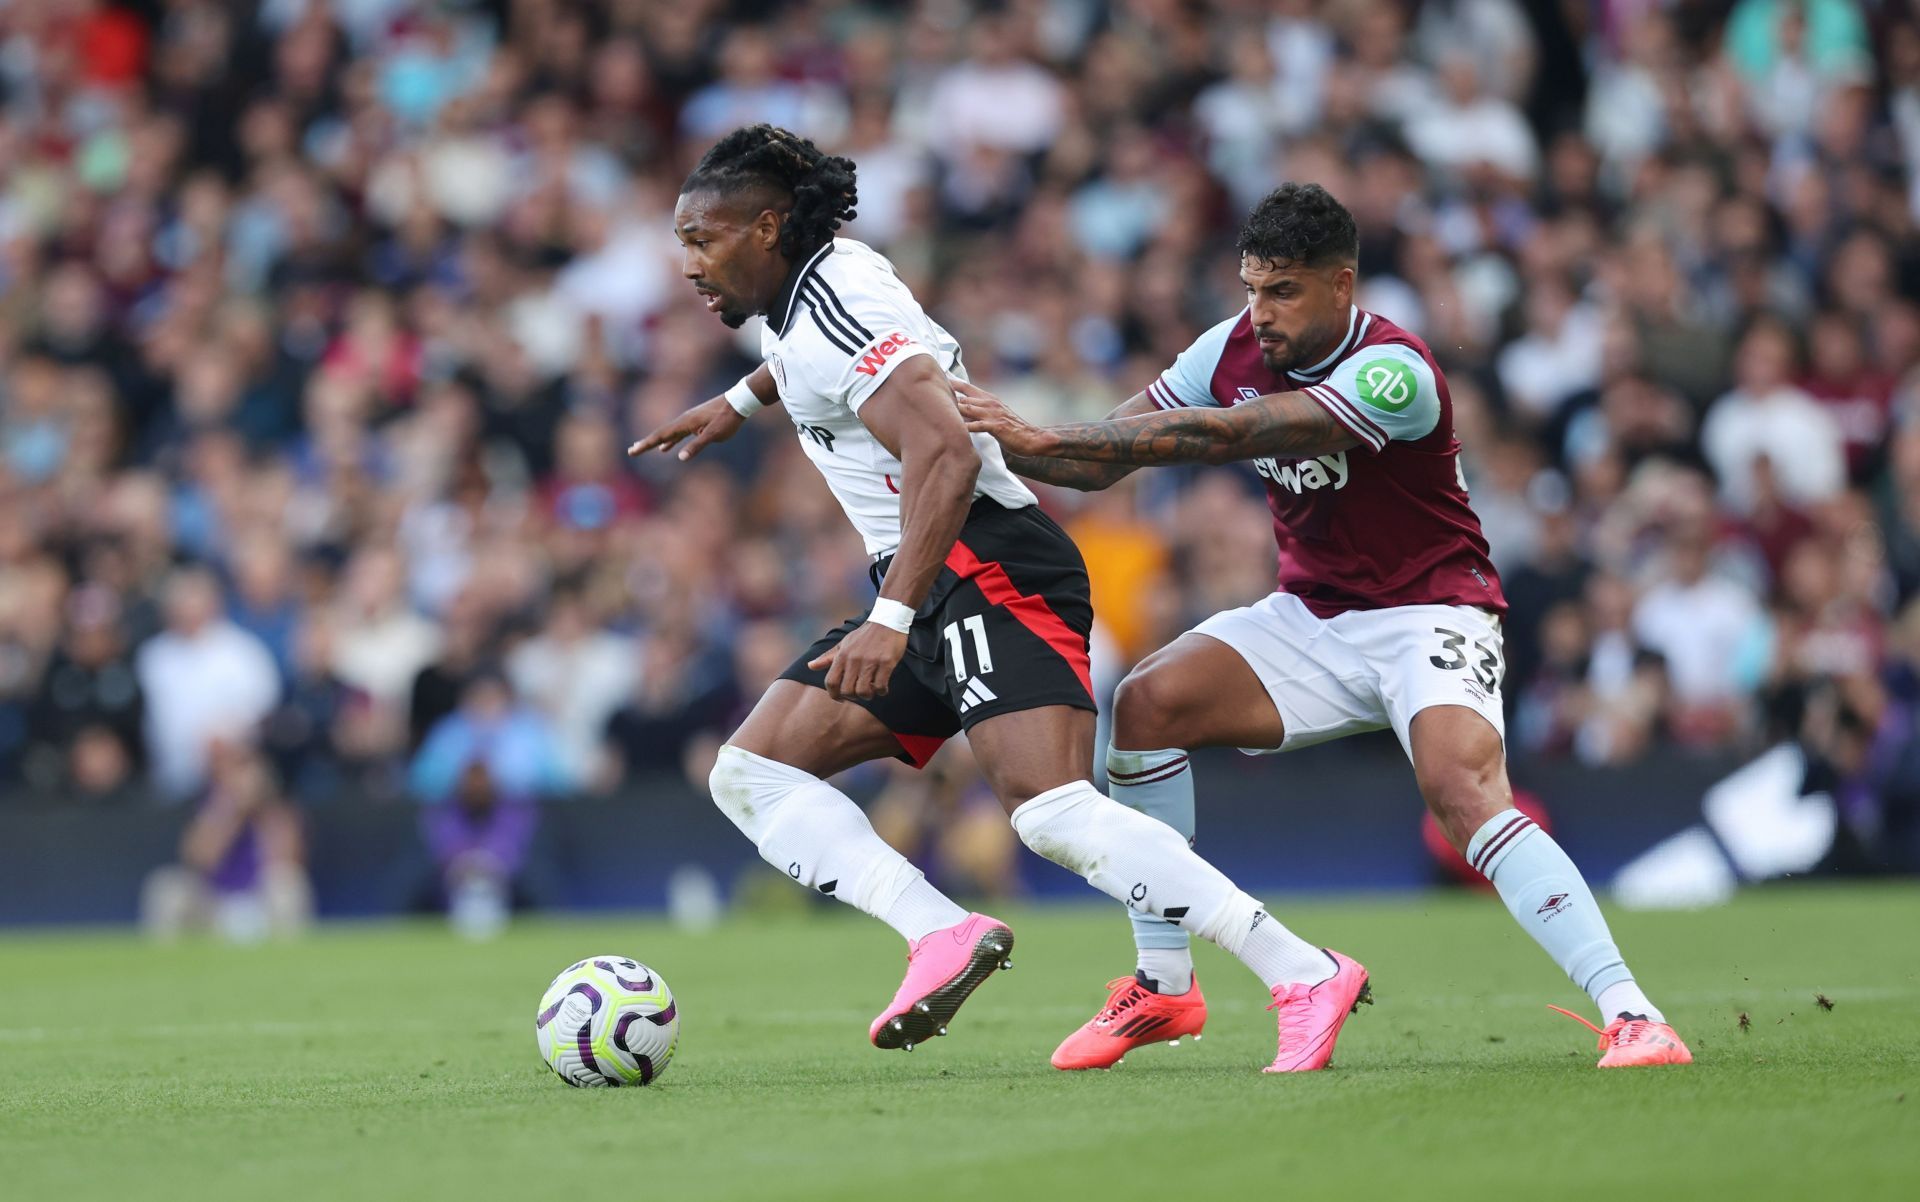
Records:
x=1311, y=1016
x=942, y=970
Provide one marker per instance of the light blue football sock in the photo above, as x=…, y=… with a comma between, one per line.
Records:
x=1159, y=784
x=1549, y=898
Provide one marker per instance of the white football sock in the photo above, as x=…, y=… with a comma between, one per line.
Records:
x=1146, y=864
x=1547, y=896
x=1160, y=785
x=1625, y=997
x=1276, y=955
x=1169, y=968
x=816, y=834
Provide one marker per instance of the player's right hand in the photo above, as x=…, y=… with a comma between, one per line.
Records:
x=986, y=413
x=708, y=422
x=860, y=666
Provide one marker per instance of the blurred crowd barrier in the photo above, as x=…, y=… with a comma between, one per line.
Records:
x=1351, y=817
x=323, y=326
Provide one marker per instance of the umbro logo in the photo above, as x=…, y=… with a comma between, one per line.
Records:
x=1554, y=904
x=976, y=693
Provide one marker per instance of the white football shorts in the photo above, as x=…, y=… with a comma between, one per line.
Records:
x=1365, y=669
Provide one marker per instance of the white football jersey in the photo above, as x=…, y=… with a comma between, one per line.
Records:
x=839, y=328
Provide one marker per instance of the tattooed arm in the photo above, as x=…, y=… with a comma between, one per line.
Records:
x=1288, y=425
x=1067, y=473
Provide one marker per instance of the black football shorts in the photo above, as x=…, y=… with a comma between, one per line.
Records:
x=1004, y=629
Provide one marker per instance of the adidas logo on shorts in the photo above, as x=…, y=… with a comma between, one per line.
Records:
x=976, y=693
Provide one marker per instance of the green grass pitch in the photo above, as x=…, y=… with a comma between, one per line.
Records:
x=392, y=1061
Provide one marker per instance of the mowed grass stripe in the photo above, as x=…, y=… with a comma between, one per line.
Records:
x=391, y=1061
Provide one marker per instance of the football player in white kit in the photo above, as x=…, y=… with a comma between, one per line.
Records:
x=982, y=613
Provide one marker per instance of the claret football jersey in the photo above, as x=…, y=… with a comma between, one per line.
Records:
x=1384, y=524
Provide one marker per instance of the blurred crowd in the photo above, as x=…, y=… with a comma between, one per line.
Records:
x=324, y=324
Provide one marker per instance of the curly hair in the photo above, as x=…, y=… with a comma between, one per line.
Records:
x=770, y=158
x=1300, y=223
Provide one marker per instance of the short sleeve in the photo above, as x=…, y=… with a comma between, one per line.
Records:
x=866, y=337
x=1381, y=394
x=1188, y=384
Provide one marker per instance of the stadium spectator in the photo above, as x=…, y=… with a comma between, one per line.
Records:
x=1854, y=390
x=682, y=693
x=1767, y=417
x=479, y=841
x=380, y=644
x=242, y=870
x=576, y=673
x=86, y=724
x=1709, y=630
x=204, y=679
x=355, y=306
x=491, y=728
x=1465, y=131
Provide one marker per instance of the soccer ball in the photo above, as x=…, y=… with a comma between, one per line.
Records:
x=607, y=1020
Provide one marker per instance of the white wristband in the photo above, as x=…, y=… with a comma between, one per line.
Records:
x=894, y=615
x=743, y=400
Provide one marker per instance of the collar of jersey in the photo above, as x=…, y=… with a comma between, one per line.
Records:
x=780, y=316
x=1357, y=323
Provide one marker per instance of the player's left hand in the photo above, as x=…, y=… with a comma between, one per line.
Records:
x=711, y=421
x=860, y=665
x=988, y=414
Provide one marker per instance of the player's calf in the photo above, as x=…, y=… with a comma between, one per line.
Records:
x=1460, y=763
x=817, y=836
x=1145, y=864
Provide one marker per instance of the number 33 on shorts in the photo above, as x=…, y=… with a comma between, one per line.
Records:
x=1483, y=658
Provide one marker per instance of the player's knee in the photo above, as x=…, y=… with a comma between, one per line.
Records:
x=727, y=784
x=745, y=787
x=1463, y=795
x=1149, y=711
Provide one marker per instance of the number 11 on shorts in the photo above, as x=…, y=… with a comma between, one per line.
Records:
x=957, y=652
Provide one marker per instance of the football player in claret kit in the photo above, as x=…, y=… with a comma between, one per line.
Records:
x=982, y=617
x=1387, y=615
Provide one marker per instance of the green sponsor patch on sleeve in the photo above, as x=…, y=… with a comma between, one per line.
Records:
x=1387, y=384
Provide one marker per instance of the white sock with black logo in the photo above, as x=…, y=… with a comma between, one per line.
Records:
x=817, y=836
x=1147, y=865
x=1276, y=955
x=1548, y=897
x=1160, y=785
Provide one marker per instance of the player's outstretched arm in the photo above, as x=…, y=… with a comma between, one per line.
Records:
x=712, y=420
x=1284, y=424
x=989, y=414
x=912, y=415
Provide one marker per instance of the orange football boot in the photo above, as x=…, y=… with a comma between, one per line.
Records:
x=1631, y=1040
x=1133, y=1017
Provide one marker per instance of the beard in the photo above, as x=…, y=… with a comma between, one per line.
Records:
x=1291, y=355
x=732, y=318
x=1281, y=358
